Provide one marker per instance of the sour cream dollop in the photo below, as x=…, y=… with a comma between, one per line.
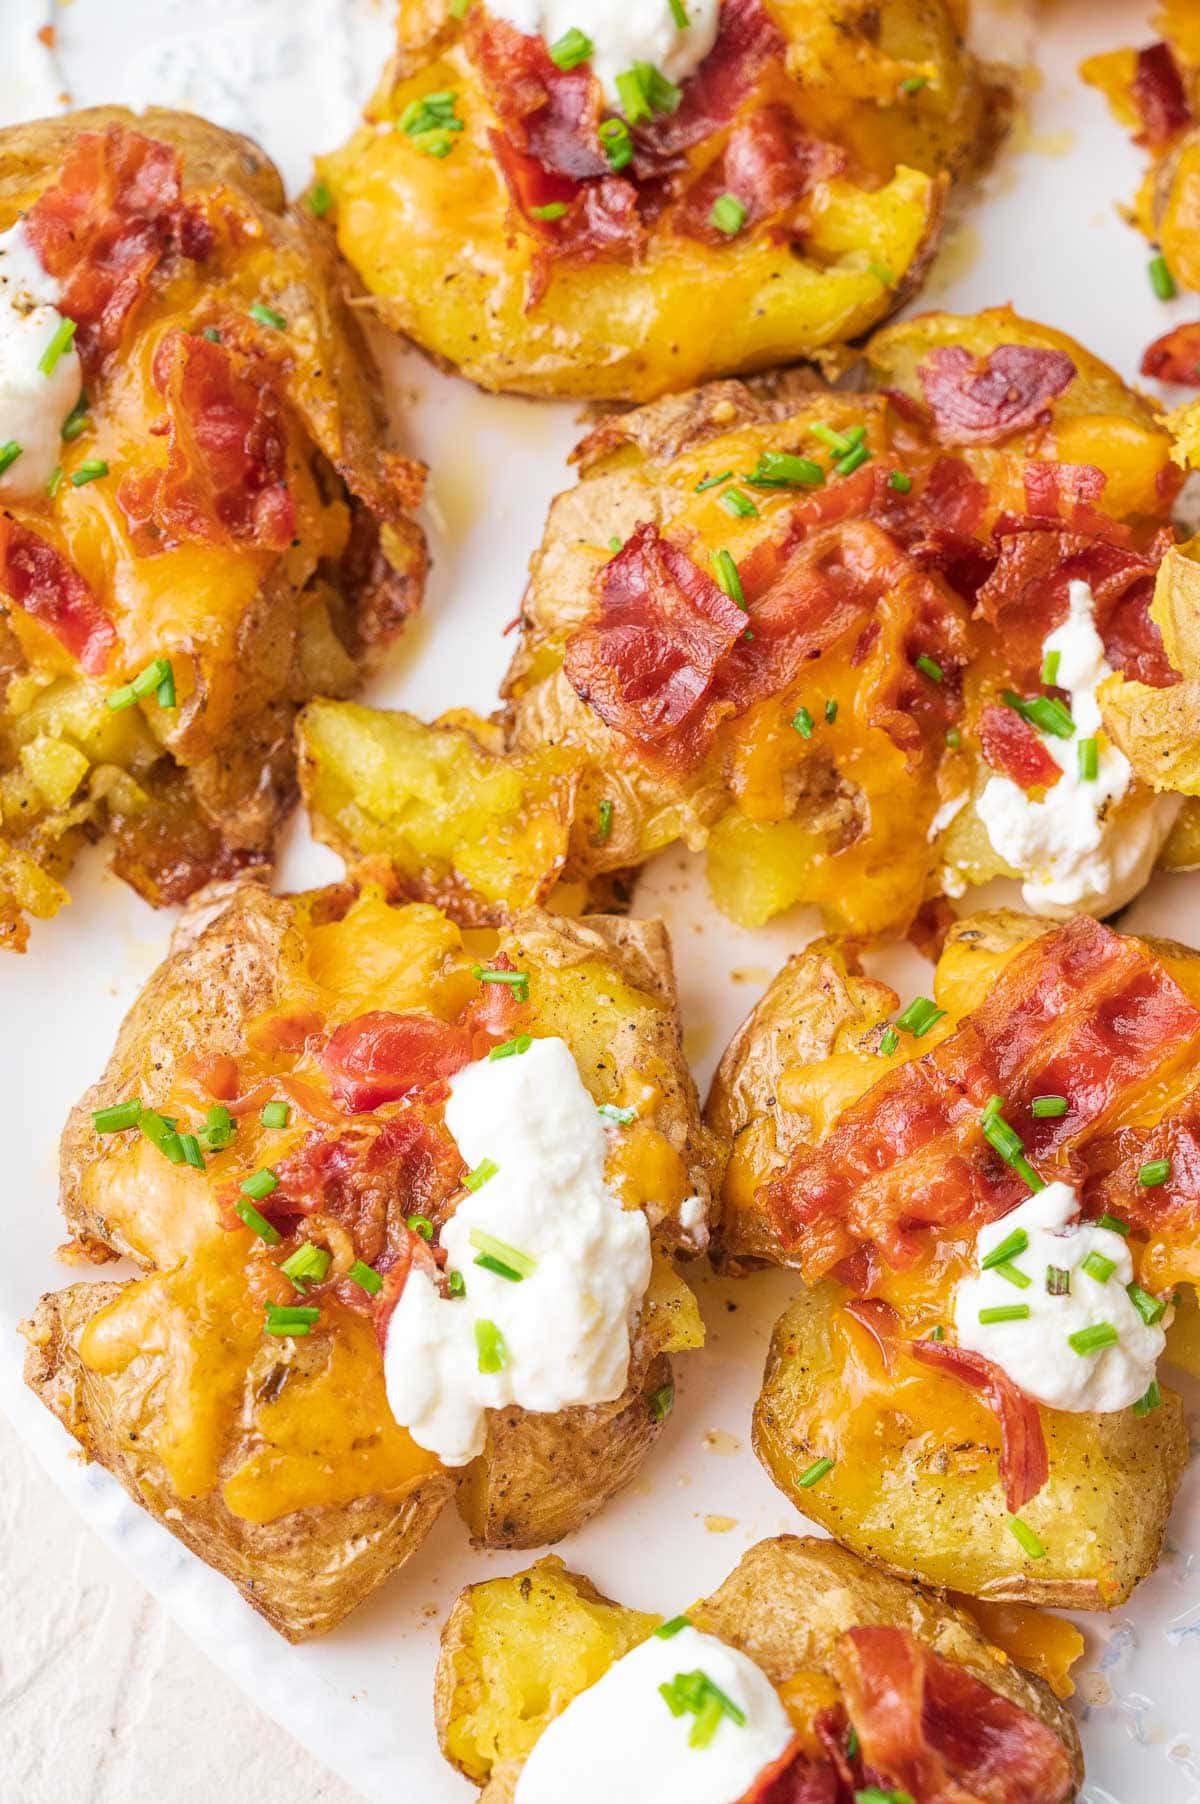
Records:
x=1091, y=844
x=619, y=1740
x=564, y=1329
x=622, y=32
x=33, y=402
x=1036, y=1351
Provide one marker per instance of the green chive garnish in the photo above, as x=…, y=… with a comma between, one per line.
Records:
x=889, y=1039
x=490, y=1346
x=212, y=335
x=604, y=821
x=814, y=1473
x=1050, y=664
x=56, y=481
x=259, y=1184
x=191, y=1151
x=267, y=316
x=1044, y=711
x=713, y=482
x=662, y=1402
x=953, y=738
x=366, y=1277
x=920, y=1015
x=1005, y=1312
x=1012, y=1275
x=739, y=505
x=912, y=84
x=1113, y=1225
x=900, y=482
x=853, y=460
x=834, y=441
x=519, y=1265
x=1008, y=1143
x=117, y=1117
x=615, y=544
x=517, y=981
x=1161, y=279
x=219, y=1128
x=728, y=214
x=1094, y=1338
x=76, y=420
x=258, y=1223
x=1157, y=1171
x=831, y=709
x=929, y=668
x=678, y=12
x=783, y=470
x=1150, y=1401
x=456, y=1284
x=1089, y=759
x=1098, y=1267
x=1058, y=1281
x=276, y=1115
x=420, y=1224
x=1028, y=1540
x=802, y=720
x=512, y=1048
x=475, y=1180
x=319, y=200
x=612, y=1111
x=666, y=1631
x=554, y=209
x=1011, y=1247
x=573, y=48
x=882, y=274
x=290, y=1319
x=616, y=143
x=727, y=577
x=64, y=332
x=309, y=1264
x=160, y=1131
x=90, y=470
x=1048, y=1108
x=1151, y=1309
x=937, y=1332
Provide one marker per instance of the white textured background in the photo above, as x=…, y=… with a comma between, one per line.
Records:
x=102, y=1699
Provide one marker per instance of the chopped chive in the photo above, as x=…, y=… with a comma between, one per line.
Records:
x=64, y=332
x=1157, y=1171
x=456, y=1284
x=212, y=335
x=953, y=738
x=928, y=667
x=1058, y=1281
x=258, y=1223
x=366, y=1277
x=831, y=711
x=853, y=460
x=1089, y=759
x=1098, y=1267
x=290, y=1319
x=889, y=1039
x=1010, y=1248
x=937, y=1332
x=612, y=1111
x=834, y=441
x=992, y=1107
x=475, y=1180
x=1012, y=1274
x=1151, y=1309
x=267, y=316
x=56, y=481
x=1151, y=1400
x=512, y=1048
x=1161, y=279
x=712, y=482
x=852, y=1743
x=662, y=1402
x=814, y=1473
x=191, y=1151
x=783, y=470
x=1050, y=664
x=1008, y=1143
x=490, y=1263
x=912, y=84
x=1048, y=1108
x=276, y=1115
x=309, y=1264
x=420, y=1224
x=678, y=12
x=490, y=1346
x=459, y=8
x=616, y=143
x=517, y=981
x=727, y=576
x=615, y=544
x=882, y=274
x=76, y=421
x=663, y=95
x=604, y=820
x=259, y=1184
x=117, y=1117
x=739, y=505
x=554, y=209
x=160, y=1131
x=920, y=1015
x=164, y=695
x=666, y=1631
x=634, y=100
x=518, y=1262
x=1028, y=1540
x=319, y=199
x=1044, y=711
x=899, y=481
x=219, y=1128
x=1113, y=1225
x=149, y=679
x=728, y=215
x=573, y=48
x=802, y=720
x=1094, y=1338
x=90, y=470
x=1005, y=1312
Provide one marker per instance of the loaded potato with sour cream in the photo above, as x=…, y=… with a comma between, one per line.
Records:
x=407, y=1204
x=989, y=1196
x=199, y=525
x=806, y=1678
x=855, y=641
x=616, y=200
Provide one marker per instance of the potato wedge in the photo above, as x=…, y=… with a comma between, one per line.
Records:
x=891, y=108
x=255, y=588
x=516, y=1651
x=258, y=1138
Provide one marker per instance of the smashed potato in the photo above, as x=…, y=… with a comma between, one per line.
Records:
x=517, y=1651
x=501, y=212
x=860, y=1155
x=806, y=629
x=201, y=528
x=269, y=1143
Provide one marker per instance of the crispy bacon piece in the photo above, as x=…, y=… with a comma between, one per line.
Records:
x=549, y=114
x=1113, y=1163
x=38, y=579
x=795, y=1779
x=1160, y=97
x=114, y=212
x=768, y=164
x=977, y=402
x=646, y=664
x=1064, y=493
x=1025, y=597
x=224, y=479
x=1011, y=747
x=1175, y=357
x=1024, y=1461
x=379, y=1057
x=1080, y=1012
x=929, y=1727
x=747, y=42
x=601, y=218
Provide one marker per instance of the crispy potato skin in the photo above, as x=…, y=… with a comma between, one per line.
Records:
x=501, y=1674
x=685, y=310
x=916, y=1486
x=234, y=1439
x=199, y=792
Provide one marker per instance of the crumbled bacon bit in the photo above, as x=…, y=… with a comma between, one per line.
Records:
x=1011, y=747
x=38, y=579
x=1160, y=97
x=768, y=164
x=1175, y=357
x=981, y=402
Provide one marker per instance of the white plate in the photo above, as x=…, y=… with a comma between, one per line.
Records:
x=1046, y=237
